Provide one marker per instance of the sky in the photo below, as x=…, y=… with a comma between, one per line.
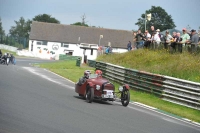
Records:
x=112, y=14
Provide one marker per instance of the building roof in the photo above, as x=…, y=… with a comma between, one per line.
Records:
x=79, y=34
x=171, y=31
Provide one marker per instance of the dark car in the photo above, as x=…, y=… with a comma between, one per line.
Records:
x=94, y=86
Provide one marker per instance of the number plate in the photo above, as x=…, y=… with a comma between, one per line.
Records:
x=109, y=94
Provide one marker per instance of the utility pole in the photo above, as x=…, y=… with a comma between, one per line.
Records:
x=145, y=20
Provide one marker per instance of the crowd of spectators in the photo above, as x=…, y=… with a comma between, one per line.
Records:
x=154, y=39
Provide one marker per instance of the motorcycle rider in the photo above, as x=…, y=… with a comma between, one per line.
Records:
x=1, y=53
x=3, y=58
x=12, y=59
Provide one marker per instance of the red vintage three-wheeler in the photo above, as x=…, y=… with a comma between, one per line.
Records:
x=94, y=86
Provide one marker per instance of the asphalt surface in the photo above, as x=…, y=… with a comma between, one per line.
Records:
x=34, y=100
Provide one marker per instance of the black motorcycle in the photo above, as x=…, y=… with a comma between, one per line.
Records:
x=5, y=59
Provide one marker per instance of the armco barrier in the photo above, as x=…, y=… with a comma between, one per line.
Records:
x=91, y=63
x=68, y=57
x=171, y=89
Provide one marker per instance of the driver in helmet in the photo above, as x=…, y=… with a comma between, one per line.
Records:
x=87, y=74
x=98, y=73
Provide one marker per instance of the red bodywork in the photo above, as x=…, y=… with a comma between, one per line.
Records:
x=92, y=82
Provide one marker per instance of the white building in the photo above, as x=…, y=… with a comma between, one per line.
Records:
x=48, y=40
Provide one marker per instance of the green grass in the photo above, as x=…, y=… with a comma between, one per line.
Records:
x=184, y=66
x=5, y=51
x=68, y=69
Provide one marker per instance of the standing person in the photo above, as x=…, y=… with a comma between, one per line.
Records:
x=194, y=41
x=185, y=38
x=158, y=31
x=147, y=39
x=168, y=39
x=173, y=44
x=178, y=39
x=139, y=39
x=152, y=30
x=100, y=49
x=156, y=39
x=129, y=46
x=134, y=40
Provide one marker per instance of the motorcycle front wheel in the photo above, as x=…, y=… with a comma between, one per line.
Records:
x=125, y=98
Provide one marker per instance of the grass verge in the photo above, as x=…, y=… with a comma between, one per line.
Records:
x=184, y=66
x=5, y=51
x=68, y=70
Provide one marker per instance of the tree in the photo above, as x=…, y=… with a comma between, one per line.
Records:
x=2, y=32
x=159, y=19
x=21, y=29
x=83, y=23
x=80, y=24
x=45, y=18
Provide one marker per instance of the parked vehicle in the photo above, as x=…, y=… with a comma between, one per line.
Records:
x=94, y=86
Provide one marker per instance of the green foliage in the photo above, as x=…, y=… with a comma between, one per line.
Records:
x=80, y=24
x=6, y=51
x=184, y=66
x=45, y=18
x=2, y=32
x=21, y=28
x=160, y=19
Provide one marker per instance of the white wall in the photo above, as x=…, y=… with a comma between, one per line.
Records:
x=119, y=50
x=7, y=47
x=43, y=50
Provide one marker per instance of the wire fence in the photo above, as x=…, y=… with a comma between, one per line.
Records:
x=172, y=47
x=19, y=42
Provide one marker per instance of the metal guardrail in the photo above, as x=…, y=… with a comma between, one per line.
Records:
x=91, y=63
x=68, y=57
x=171, y=89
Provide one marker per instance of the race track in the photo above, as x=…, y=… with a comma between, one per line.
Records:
x=34, y=100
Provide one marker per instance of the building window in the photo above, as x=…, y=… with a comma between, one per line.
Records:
x=39, y=43
x=44, y=42
x=66, y=45
x=91, y=51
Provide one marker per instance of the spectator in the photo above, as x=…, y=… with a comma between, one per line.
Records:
x=199, y=35
x=138, y=38
x=184, y=39
x=147, y=39
x=194, y=41
x=156, y=39
x=134, y=40
x=100, y=50
x=158, y=31
x=108, y=50
x=178, y=39
x=152, y=31
x=173, y=44
x=168, y=39
x=129, y=46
